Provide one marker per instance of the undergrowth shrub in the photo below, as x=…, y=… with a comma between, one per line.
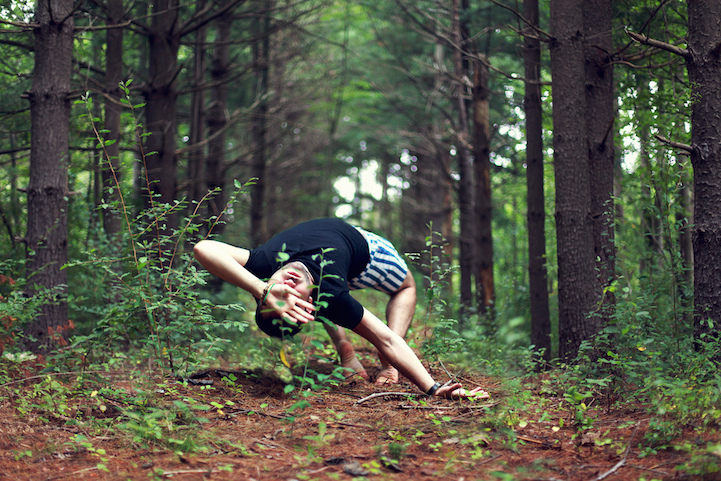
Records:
x=16, y=308
x=146, y=291
x=639, y=362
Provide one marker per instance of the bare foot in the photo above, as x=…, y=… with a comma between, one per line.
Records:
x=388, y=375
x=349, y=359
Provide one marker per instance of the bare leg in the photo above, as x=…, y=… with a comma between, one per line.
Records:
x=345, y=350
x=399, y=314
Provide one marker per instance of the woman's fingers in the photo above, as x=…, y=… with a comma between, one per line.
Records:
x=290, y=306
x=456, y=391
x=479, y=393
x=447, y=391
x=293, y=297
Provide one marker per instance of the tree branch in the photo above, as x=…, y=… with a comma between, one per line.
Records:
x=13, y=43
x=384, y=394
x=23, y=25
x=541, y=35
x=658, y=44
x=676, y=145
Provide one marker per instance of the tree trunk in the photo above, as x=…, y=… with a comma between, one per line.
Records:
x=47, y=248
x=196, y=157
x=465, y=170
x=652, y=260
x=600, y=115
x=535, y=196
x=685, y=241
x=704, y=70
x=424, y=212
x=485, y=291
x=259, y=129
x=574, y=229
x=160, y=109
x=111, y=174
x=215, y=167
x=12, y=220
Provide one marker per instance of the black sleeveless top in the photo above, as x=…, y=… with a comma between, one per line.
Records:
x=334, y=252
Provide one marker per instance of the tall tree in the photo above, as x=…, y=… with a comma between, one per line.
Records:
x=111, y=173
x=196, y=159
x=574, y=231
x=600, y=115
x=259, y=121
x=465, y=170
x=703, y=65
x=215, y=163
x=651, y=190
x=535, y=195
x=165, y=33
x=425, y=209
x=685, y=239
x=161, y=94
x=47, y=191
x=485, y=291
x=704, y=70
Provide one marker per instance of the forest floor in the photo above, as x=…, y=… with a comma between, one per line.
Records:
x=244, y=433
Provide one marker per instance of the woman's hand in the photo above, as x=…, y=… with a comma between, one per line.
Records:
x=287, y=302
x=456, y=391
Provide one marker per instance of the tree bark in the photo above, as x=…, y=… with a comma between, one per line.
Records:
x=196, y=155
x=535, y=195
x=485, y=290
x=600, y=115
x=259, y=129
x=465, y=170
x=685, y=241
x=425, y=207
x=574, y=229
x=111, y=174
x=161, y=105
x=215, y=167
x=704, y=69
x=47, y=247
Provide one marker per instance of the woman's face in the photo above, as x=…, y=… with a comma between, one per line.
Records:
x=296, y=275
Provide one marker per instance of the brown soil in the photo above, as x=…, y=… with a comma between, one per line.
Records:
x=336, y=437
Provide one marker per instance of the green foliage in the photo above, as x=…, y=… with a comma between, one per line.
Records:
x=47, y=399
x=635, y=361
x=160, y=426
x=16, y=308
x=445, y=338
x=152, y=293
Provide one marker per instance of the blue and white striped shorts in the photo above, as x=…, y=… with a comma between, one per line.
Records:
x=386, y=270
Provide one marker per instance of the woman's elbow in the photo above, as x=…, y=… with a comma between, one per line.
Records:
x=201, y=250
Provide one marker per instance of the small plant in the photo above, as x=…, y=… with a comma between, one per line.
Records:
x=79, y=441
x=16, y=308
x=323, y=437
x=446, y=338
x=23, y=454
x=159, y=426
x=49, y=397
x=704, y=462
x=391, y=456
x=155, y=298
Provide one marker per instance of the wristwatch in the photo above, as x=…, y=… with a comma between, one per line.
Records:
x=433, y=389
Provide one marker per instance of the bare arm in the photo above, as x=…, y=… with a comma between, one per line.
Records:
x=228, y=262
x=401, y=356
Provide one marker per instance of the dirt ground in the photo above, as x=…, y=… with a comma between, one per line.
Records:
x=341, y=434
